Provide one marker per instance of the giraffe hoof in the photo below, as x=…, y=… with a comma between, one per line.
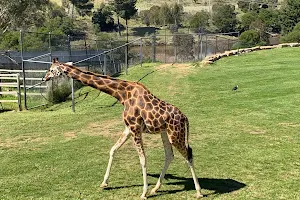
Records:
x=143, y=198
x=198, y=196
x=103, y=185
x=153, y=191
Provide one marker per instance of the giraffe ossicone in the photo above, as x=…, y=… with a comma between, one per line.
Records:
x=143, y=113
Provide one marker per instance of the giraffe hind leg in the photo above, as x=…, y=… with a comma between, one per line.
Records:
x=169, y=156
x=187, y=153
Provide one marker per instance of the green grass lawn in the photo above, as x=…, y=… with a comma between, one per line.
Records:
x=245, y=143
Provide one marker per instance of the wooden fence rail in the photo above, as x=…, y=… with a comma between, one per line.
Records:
x=7, y=78
x=15, y=77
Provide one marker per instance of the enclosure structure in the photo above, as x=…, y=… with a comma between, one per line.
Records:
x=104, y=57
x=14, y=83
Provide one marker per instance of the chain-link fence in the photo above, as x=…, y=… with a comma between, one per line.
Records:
x=106, y=57
x=180, y=47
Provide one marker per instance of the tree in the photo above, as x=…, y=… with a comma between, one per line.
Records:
x=154, y=15
x=165, y=14
x=270, y=18
x=249, y=38
x=243, y=5
x=290, y=15
x=224, y=17
x=22, y=13
x=200, y=20
x=125, y=9
x=293, y=36
x=247, y=19
x=103, y=17
x=260, y=27
x=83, y=7
x=145, y=17
x=176, y=13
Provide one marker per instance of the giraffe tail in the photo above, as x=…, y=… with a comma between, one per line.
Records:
x=187, y=133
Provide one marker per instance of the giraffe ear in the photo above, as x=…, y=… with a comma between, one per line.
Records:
x=54, y=60
x=69, y=63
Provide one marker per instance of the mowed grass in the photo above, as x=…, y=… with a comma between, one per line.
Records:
x=245, y=143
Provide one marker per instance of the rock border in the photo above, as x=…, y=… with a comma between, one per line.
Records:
x=212, y=58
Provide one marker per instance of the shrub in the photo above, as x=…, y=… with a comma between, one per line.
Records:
x=249, y=38
x=293, y=36
x=59, y=89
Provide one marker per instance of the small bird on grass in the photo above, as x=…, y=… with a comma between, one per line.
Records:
x=235, y=88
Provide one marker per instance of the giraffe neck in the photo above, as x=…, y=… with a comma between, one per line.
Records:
x=107, y=84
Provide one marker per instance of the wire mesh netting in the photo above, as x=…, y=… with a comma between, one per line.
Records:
x=109, y=57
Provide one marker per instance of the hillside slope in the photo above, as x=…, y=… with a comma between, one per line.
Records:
x=245, y=142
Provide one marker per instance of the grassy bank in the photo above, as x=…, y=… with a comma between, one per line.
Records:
x=245, y=142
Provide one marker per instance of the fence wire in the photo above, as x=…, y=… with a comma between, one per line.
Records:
x=105, y=57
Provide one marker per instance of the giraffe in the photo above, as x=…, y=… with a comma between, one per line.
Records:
x=143, y=113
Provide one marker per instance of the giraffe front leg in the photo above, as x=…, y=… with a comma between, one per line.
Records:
x=137, y=139
x=169, y=156
x=123, y=138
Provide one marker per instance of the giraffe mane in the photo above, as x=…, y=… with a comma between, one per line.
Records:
x=90, y=73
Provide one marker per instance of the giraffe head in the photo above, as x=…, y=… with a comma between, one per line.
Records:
x=54, y=71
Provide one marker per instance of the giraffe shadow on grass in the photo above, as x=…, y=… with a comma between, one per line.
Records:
x=219, y=186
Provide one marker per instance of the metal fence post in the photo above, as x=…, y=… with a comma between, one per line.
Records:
x=19, y=92
x=175, y=50
x=73, y=95
x=205, y=45
x=228, y=48
x=23, y=70
x=86, y=51
x=126, y=59
x=50, y=49
x=105, y=64
x=69, y=48
x=153, y=48
x=199, y=46
x=165, y=45
x=216, y=47
x=141, y=52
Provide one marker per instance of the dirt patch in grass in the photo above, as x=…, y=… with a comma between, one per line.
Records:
x=21, y=141
x=110, y=128
x=287, y=124
x=182, y=69
x=257, y=132
x=113, y=129
x=70, y=135
x=152, y=140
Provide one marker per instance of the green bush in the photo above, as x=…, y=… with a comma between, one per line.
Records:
x=249, y=38
x=59, y=89
x=293, y=36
